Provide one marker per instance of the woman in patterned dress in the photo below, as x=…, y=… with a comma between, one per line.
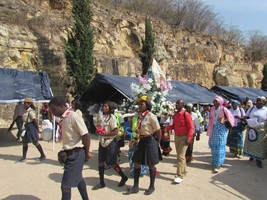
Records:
x=256, y=142
x=236, y=136
x=217, y=132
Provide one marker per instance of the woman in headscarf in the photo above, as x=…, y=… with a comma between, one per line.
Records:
x=256, y=142
x=149, y=133
x=236, y=136
x=217, y=132
x=32, y=130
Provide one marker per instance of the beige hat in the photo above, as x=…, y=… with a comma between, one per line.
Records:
x=28, y=100
x=189, y=105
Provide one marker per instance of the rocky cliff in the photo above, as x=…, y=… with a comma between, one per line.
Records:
x=33, y=32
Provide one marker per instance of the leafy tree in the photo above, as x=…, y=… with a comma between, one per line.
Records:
x=264, y=79
x=79, y=48
x=148, y=49
x=257, y=45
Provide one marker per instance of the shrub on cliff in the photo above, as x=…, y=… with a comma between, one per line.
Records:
x=148, y=49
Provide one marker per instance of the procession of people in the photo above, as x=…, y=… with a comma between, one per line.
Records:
x=243, y=131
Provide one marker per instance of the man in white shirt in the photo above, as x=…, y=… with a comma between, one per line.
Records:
x=189, y=151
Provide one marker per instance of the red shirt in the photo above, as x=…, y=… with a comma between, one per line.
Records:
x=183, y=124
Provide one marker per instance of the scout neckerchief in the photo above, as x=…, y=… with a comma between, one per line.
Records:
x=140, y=119
x=66, y=113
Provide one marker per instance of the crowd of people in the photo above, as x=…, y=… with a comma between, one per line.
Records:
x=242, y=126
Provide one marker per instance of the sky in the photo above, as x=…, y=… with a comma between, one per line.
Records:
x=246, y=15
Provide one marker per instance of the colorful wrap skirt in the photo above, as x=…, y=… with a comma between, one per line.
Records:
x=235, y=140
x=217, y=144
x=256, y=148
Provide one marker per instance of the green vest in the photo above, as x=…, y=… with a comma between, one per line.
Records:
x=120, y=127
x=134, y=123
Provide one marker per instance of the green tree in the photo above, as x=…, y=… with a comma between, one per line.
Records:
x=264, y=79
x=79, y=48
x=148, y=49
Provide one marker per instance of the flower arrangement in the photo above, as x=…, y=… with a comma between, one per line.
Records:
x=98, y=119
x=157, y=93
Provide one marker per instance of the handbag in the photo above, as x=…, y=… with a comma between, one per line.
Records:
x=165, y=137
x=226, y=122
x=252, y=134
x=133, y=145
x=62, y=157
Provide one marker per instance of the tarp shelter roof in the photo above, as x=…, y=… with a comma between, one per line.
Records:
x=109, y=87
x=190, y=93
x=239, y=92
x=115, y=88
x=16, y=85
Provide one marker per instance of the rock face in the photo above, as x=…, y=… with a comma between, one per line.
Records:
x=33, y=32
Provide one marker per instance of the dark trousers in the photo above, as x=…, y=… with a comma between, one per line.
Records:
x=19, y=125
x=92, y=127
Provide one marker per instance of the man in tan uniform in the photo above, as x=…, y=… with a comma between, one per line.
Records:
x=76, y=144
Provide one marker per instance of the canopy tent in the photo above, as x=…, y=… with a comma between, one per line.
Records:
x=115, y=88
x=16, y=85
x=190, y=93
x=239, y=92
x=109, y=87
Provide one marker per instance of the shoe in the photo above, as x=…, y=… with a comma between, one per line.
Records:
x=123, y=181
x=42, y=158
x=132, y=190
x=149, y=191
x=177, y=180
x=23, y=159
x=99, y=186
x=259, y=164
x=216, y=169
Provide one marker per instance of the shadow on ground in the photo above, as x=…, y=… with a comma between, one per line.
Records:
x=21, y=197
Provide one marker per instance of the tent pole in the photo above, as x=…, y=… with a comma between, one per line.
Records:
x=53, y=133
x=38, y=113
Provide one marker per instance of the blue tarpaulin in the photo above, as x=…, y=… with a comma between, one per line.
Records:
x=239, y=93
x=115, y=88
x=16, y=85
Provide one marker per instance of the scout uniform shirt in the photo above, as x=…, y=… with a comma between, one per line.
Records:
x=73, y=128
x=149, y=125
x=31, y=113
x=109, y=123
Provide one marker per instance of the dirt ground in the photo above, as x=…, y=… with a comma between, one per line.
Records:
x=31, y=180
